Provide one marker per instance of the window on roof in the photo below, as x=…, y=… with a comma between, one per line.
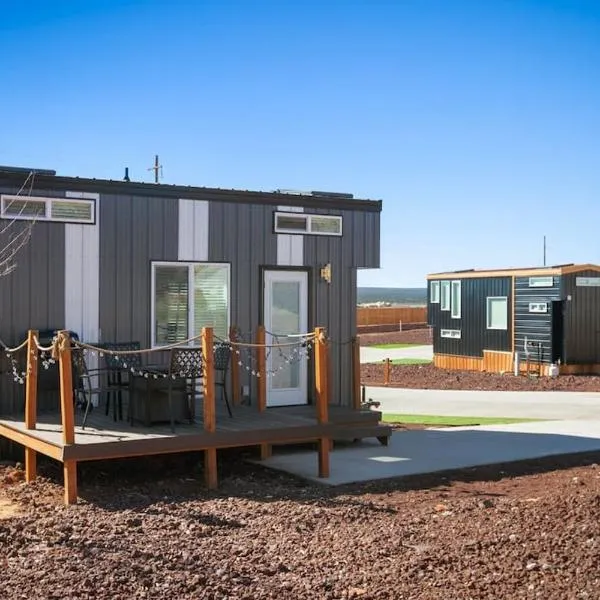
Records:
x=308, y=224
x=187, y=297
x=36, y=208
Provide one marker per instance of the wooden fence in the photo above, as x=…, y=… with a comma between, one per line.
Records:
x=389, y=315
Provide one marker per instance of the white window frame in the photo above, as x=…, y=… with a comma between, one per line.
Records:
x=454, y=334
x=7, y=199
x=544, y=281
x=191, y=314
x=434, y=292
x=455, y=311
x=445, y=295
x=307, y=217
x=487, y=315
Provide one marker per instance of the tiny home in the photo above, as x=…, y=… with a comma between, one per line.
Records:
x=115, y=261
x=534, y=317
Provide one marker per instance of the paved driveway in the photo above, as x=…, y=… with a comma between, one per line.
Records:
x=535, y=405
x=427, y=451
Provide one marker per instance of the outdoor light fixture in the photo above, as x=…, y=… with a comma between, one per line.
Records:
x=326, y=273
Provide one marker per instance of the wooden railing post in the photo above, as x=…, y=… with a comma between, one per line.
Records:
x=31, y=402
x=235, y=368
x=321, y=384
x=261, y=360
x=31, y=381
x=210, y=413
x=65, y=368
x=355, y=373
x=210, y=417
x=322, y=387
x=387, y=363
x=67, y=412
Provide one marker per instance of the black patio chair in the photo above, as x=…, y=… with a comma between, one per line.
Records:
x=185, y=366
x=118, y=373
x=222, y=356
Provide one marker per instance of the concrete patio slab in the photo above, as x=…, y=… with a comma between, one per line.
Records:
x=440, y=449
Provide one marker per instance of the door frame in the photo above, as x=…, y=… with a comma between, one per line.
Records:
x=309, y=313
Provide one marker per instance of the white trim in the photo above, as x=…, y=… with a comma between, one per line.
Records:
x=434, y=298
x=541, y=281
x=189, y=265
x=283, y=211
x=487, y=312
x=193, y=231
x=82, y=279
x=290, y=248
x=455, y=312
x=90, y=200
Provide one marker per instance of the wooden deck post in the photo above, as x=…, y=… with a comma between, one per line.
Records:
x=210, y=468
x=66, y=388
x=70, y=477
x=355, y=374
x=386, y=371
x=235, y=368
x=210, y=415
x=31, y=380
x=261, y=360
x=321, y=383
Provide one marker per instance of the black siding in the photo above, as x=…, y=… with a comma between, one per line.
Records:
x=536, y=328
x=475, y=337
x=582, y=320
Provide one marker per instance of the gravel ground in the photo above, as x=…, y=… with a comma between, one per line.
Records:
x=427, y=377
x=513, y=531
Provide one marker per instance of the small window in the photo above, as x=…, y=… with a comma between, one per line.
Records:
x=541, y=281
x=304, y=223
x=450, y=333
x=538, y=307
x=497, y=312
x=456, y=300
x=434, y=292
x=47, y=209
x=445, y=295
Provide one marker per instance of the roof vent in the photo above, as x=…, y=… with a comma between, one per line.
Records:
x=7, y=169
x=333, y=195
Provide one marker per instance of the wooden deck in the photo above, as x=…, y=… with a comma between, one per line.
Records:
x=104, y=438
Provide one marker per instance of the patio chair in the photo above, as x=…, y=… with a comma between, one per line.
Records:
x=185, y=365
x=118, y=372
x=222, y=355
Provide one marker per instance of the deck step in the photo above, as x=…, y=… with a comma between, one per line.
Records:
x=356, y=432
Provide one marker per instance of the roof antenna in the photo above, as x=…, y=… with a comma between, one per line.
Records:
x=544, y=250
x=126, y=178
x=156, y=168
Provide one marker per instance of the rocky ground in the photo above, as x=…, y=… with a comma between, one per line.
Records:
x=428, y=377
x=509, y=532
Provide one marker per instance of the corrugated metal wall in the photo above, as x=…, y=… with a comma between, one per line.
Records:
x=32, y=296
x=534, y=326
x=582, y=319
x=475, y=336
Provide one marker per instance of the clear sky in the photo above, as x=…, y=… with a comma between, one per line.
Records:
x=476, y=122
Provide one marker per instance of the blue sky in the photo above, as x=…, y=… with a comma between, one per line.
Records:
x=476, y=122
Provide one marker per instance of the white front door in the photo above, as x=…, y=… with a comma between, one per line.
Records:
x=285, y=316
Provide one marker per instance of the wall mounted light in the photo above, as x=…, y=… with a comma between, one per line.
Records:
x=326, y=273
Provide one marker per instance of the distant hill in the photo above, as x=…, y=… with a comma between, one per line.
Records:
x=414, y=296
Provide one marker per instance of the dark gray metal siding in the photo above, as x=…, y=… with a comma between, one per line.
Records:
x=534, y=327
x=475, y=336
x=32, y=296
x=582, y=320
x=134, y=231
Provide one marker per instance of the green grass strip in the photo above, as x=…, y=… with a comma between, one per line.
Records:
x=440, y=420
x=392, y=346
